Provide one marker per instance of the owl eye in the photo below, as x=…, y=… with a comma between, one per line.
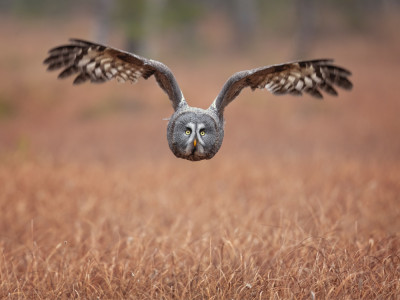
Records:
x=188, y=132
x=202, y=133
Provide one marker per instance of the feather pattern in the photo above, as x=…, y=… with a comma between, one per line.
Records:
x=194, y=133
x=295, y=78
x=99, y=63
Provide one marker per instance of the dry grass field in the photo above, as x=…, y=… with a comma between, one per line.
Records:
x=301, y=202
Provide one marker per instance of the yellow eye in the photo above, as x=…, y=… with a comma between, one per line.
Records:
x=202, y=133
x=188, y=132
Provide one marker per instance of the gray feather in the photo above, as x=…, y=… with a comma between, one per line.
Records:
x=99, y=63
x=310, y=76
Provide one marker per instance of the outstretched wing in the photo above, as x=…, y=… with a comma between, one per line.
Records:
x=311, y=76
x=98, y=63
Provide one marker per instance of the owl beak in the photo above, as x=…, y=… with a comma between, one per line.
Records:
x=195, y=142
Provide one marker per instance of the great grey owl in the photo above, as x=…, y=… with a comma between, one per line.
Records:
x=194, y=133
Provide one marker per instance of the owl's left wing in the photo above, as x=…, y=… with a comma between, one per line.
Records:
x=99, y=63
x=310, y=76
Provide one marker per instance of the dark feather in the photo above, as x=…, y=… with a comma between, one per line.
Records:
x=311, y=77
x=98, y=63
x=68, y=71
x=314, y=92
x=81, y=78
x=328, y=88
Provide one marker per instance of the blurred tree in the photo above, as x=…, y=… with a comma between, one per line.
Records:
x=5, y=5
x=143, y=20
x=152, y=24
x=305, y=27
x=245, y=20
x=43, y=7
x=367, y=10
x=182, y=17
x=130, y=16
x=103, y=21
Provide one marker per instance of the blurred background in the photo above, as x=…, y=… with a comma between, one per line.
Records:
x=203, y=42
x=94, y=204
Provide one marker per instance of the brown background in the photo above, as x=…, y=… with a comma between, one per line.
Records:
x=301, y=200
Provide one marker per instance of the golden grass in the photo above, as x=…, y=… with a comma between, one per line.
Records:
x=301, y=202
x=284, y=231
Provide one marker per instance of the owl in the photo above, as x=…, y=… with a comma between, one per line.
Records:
x=194, y=133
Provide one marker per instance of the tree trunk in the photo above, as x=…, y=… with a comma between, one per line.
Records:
x=103, y=13
x=305, y=15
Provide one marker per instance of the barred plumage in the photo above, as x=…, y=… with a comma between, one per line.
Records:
x=293, y=78
x=98, y=63
x=194, y=133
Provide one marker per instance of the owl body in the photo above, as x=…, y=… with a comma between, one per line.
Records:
x=194, y=133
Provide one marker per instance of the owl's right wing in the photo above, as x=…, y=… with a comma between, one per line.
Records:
x=98, y=63
x=309, y=76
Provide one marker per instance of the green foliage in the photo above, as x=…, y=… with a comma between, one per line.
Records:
x=181, y=12
x=276, y=15
x=174, y=13
x=36, y=8
x=130, y=16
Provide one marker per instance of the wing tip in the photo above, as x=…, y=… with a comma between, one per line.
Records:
x=78, y=40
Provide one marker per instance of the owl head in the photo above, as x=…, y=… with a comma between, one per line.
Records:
x=194, y=134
